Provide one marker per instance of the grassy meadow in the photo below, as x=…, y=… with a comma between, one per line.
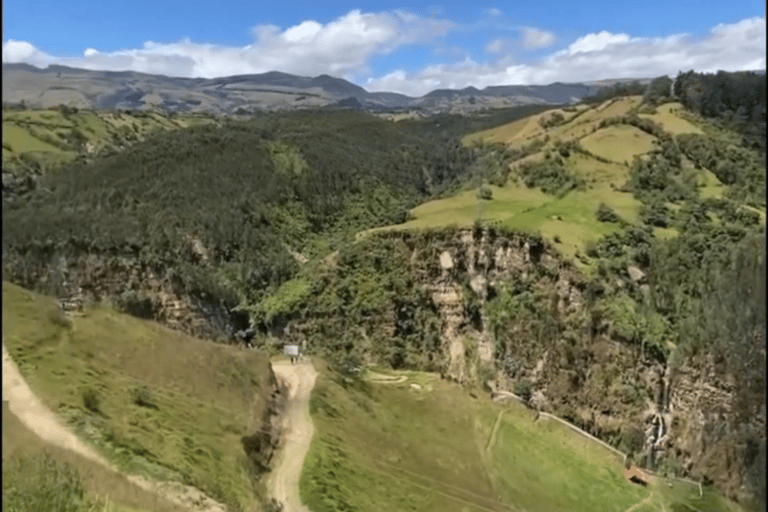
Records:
x=569, y=221
x=618, y=143
x=153, y=401
x=425, y=444
x=666, y=116
x=48, y=135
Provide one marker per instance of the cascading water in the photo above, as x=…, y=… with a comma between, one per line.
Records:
x=657, y=432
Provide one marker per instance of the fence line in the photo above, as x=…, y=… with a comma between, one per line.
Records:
x=602, y=443
x=678, y=479
x=571, y=426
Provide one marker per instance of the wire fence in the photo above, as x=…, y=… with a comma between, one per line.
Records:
x=620, y=454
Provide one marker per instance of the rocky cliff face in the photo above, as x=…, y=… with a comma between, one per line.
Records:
x=682, y=417
x=711, y=432
x=133, y=287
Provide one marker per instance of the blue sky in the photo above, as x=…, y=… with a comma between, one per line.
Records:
x=410, y=48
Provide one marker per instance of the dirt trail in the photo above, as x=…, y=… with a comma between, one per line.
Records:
x=47, y=426
x=297, y=424
x=646, y=501
x=36, y=417
x=380, y=378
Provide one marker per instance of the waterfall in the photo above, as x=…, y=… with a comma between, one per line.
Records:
x=666, y=390
x=656, y=432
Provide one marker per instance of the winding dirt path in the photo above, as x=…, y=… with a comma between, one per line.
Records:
x=36, y=417
x=42, y=422
x=297, y=424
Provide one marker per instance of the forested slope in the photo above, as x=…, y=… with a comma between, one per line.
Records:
x=217, y=210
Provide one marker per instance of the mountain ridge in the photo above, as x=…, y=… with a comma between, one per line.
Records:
x=57, y=84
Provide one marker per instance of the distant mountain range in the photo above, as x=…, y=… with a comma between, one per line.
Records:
x=106, y=90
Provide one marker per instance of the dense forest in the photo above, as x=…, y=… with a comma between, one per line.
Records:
x=738, y=100
x=250, y=191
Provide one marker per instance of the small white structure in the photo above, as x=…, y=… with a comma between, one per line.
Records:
x=291, y=350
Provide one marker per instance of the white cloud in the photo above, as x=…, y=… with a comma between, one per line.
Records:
x=534, y=38
x=498, y=45
x=21, y=51
x=346, y=45
x=731, y=47
x=530, y=39
x=341, y=47
x=493, y=11
x=596, y=42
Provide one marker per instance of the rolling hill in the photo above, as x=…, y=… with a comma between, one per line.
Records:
x=129, y=90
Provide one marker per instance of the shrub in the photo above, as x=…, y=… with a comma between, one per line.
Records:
x=524, y=389
x=273, y=506
x=485, y=374
x=550, y=177
x=485, y=193
x=141, y=396
x=655, y=214
x=590, y=248
x=606, y=214
x=91, y=400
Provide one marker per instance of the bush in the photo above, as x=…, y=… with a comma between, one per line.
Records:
x=655, y=214
x=524, y=389
x=274, y=506
x=485, y=193
x=141, y=396
x=606, y=214
x=590, y=248
x=91, y=400
x=550, y=177
x=40, y=483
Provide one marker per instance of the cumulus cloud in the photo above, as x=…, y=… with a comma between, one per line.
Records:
x=493, y=11
x=596, y=42
x=730, y=47
x=340, y=47
x=534, y=38
x=21, y=51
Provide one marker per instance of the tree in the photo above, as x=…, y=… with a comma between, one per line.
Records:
x=524, y=389
x=485, y=193
x=658, y=89
x=606, y=214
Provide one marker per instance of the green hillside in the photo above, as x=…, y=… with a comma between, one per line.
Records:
x=153, y=401
x=424, y=444
x=598, y=147
x=46, y=139
x=249, y=191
